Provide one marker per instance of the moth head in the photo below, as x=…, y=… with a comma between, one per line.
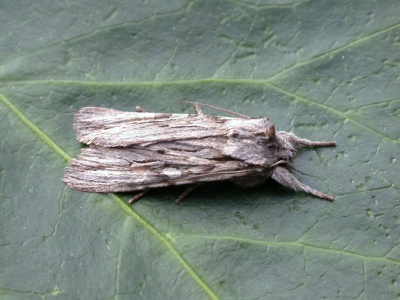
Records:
x=279, y=149
x=287, y=151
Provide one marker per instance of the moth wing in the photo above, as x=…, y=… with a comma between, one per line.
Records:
x=112, y=128
x=134, y=168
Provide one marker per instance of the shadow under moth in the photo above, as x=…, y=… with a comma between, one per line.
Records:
x=139, y=151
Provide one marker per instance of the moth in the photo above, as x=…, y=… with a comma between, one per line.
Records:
x=140, y=151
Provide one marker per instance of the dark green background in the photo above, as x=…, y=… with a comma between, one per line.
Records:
x=325, y=70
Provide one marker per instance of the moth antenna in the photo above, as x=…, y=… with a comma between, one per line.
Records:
x=216, y=108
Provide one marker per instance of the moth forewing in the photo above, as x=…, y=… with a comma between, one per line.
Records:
x=138, y=151
x=135, y=168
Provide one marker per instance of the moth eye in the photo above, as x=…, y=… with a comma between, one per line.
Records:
x=262, y=140
x=268, y=139
x=272, y=147
x=232, y=134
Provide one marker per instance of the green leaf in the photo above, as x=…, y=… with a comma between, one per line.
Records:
x=325, y=70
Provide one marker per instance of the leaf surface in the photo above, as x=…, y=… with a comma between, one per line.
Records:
x=325, y=70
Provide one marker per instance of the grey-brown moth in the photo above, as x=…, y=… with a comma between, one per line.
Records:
x=139, y=151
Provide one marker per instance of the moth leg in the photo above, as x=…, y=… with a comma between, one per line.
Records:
x=139, y=109
x=198, y=109
x=285, y=178
x=138, y=196
x=186, y=192
x=196, y=106
x=297, y=141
